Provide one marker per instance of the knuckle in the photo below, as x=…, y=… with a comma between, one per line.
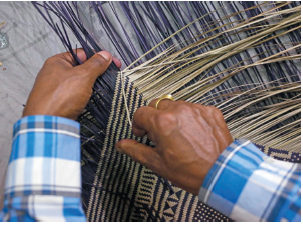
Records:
x=166, y=121
x=139, y=112
x=219, y=112
x=185, y=108
x=132, y=154
x=94, y=64
x=199, y=106
x=137, y=155
x=98, y=60
x=183, y=105
x=211, y=109
x=51, y=60
x=216, y=111
x=166, y=117
x=153, y=102
x=181, y=101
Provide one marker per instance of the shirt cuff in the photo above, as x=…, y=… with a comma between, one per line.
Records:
x=45, y=158
x=247, y=185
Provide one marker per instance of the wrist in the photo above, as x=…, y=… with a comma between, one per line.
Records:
x=57, y=111
x=47, y=119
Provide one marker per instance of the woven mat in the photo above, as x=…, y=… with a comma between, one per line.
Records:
x=123, y=190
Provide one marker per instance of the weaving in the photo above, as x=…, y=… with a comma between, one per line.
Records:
x=244, y=58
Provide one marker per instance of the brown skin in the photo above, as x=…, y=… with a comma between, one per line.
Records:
x=63, y=90
x=188, y=137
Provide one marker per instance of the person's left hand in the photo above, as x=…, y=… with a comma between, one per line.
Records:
x=63, y=90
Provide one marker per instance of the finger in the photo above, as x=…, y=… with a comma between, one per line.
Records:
x=142, y=120
x=117, y=62
x=67, y=58
x=96, y=65
x=140, y=153
x=163, y=104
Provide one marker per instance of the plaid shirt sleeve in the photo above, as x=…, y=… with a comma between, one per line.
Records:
x=43, y=181
x=247, y=185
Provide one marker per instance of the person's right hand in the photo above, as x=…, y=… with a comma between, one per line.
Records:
x=63, y=90
x=188, y=138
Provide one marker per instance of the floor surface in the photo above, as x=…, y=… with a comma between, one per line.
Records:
x=31, y=42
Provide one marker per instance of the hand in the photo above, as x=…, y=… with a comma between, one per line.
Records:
x=63, y=90
x=188, y=138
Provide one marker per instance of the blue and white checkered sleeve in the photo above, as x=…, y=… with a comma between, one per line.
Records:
x=247, y=185
x=43, y=181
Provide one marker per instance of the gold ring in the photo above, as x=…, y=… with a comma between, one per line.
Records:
x=168, y=96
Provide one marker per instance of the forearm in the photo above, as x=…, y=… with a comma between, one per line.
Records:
x=247, y=185
x=44, y=175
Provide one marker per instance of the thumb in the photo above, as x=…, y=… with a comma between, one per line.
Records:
x=140, y=153
x=97, y=64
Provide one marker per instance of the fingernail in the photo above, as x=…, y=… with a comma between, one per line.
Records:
x=106, y=55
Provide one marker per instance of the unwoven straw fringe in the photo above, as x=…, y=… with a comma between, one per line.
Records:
x=146, y=76
x=233, y=55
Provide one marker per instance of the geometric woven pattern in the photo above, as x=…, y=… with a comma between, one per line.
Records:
x=124, y=190
x=115, y=188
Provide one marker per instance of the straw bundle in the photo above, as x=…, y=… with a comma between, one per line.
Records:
x=243, y=58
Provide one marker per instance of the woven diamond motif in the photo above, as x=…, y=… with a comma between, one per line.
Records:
x=171, y=205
